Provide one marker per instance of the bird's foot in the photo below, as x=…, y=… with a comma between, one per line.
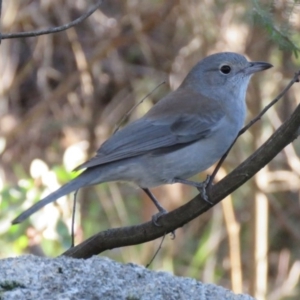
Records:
x=155, y=218
x=161, y=210
x=200, y=186
x=202, y=189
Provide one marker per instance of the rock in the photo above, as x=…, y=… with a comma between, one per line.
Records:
x=32, y=277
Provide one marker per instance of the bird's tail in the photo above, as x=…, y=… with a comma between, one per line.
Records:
x=84, y=179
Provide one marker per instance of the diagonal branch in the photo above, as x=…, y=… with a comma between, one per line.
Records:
x=52, y=29
x=125, y=236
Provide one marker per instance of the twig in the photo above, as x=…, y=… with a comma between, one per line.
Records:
x=135, y=106
x=156, y=252
x=258, y=117
x=73, y=220
x=53, y=29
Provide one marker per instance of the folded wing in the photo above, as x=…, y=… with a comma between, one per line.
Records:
x=146, y=135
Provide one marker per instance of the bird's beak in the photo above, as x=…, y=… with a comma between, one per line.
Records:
x=257, y=66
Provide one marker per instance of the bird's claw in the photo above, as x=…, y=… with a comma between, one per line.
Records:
x=157, y=216
x=202, y=189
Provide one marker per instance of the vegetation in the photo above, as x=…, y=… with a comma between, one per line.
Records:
x=63, y=94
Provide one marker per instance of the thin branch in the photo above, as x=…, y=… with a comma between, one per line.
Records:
x=73, y=219
x=53, y=29
x=156, y=252
x=258, y=117
x=61, y=90
x=119, y=237
x=135, y=106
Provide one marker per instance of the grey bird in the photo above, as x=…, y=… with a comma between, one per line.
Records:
x=183, y=134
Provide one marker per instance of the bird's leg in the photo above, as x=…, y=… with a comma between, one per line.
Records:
x=161, y=210
x=201, y=186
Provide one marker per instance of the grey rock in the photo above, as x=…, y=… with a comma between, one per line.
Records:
x=32, y=277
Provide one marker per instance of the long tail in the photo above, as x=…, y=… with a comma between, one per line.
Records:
x=84, y=179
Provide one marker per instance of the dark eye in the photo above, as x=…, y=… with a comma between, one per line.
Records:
x=225, y=69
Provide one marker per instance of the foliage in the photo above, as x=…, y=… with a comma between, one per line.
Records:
x=283, y=34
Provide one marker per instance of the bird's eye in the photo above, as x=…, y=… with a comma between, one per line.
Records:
x=225, y=69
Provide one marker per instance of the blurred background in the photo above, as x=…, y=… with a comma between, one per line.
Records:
x=63, y=94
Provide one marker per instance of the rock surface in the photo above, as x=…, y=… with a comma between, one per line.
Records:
x=32, y=277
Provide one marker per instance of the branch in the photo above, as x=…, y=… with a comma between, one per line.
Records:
x=53, y=29
x=125, y=236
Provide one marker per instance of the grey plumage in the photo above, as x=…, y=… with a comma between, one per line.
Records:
x=183, y=134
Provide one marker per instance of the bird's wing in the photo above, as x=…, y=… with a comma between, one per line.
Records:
x=148, y=134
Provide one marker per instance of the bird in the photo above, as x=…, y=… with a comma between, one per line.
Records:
x=183, y=134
